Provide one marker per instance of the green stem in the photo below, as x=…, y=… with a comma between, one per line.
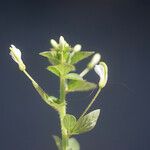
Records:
x=62, y=89
x=92, y=101
x=62, y=109
x=62, y=113
x=27, y=74
x=41, y=92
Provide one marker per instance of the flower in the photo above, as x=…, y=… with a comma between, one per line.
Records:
x=102, y=71
x=16, y=56
x=96, y=58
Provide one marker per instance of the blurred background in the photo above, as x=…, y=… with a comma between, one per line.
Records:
x=118, y=29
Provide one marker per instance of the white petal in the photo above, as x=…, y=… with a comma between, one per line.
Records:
x=99, y=69
x=15, y=51
x=13, y=57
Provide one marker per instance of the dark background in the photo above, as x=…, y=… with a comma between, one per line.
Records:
x=119, y=30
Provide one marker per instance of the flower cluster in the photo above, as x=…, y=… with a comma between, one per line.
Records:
x=63, y=59
x=101, y=69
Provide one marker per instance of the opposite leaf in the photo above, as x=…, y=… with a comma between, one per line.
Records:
x=87, y=122
x=80, y=56
x=73, y=144
x=80, y=85
x=69, y=122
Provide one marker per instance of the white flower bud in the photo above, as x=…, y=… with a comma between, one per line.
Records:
x=54, y=43
x=77, y=48
x=62, y=40
x=62, y=43
x=96, y=58
x=16, y=56
x=102, y=71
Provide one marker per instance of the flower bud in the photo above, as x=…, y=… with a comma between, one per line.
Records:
x=77, y=48
x=96, y=58
x=62, y=43
x=62, y=40
x=16, y=56
x=54, y=43
x=102, y=71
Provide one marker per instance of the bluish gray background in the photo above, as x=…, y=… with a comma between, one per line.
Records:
x=118, y=29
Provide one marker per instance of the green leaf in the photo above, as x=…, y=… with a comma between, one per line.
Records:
x=73, y=76
x=52, y=57
x=61, y=69
x=69, y=122
x=80, y=85
x=54, y=69
x=80, y=56
x=57, y=141
x=50, y=100
x=73, y=144
x=87, y=122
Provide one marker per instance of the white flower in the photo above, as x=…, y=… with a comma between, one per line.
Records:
x=77, y=48
x=96, y=58
x=16, y=56
x=102, y=71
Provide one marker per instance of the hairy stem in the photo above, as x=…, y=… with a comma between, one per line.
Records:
x=62, y=113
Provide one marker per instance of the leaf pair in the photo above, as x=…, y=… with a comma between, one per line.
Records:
x=55, y=60
x=76, y=82
x=83, y=124
x=61, y=69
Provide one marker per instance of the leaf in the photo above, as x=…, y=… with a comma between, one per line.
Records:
x=87, y=122
x=80, y=56
x=73, y=144
x=73, y=76
x=50, y=100
x=54, y=69
x=61, y=69
x=69, y=122
x=80, y=85
x=57, y=141
x=52, y=57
